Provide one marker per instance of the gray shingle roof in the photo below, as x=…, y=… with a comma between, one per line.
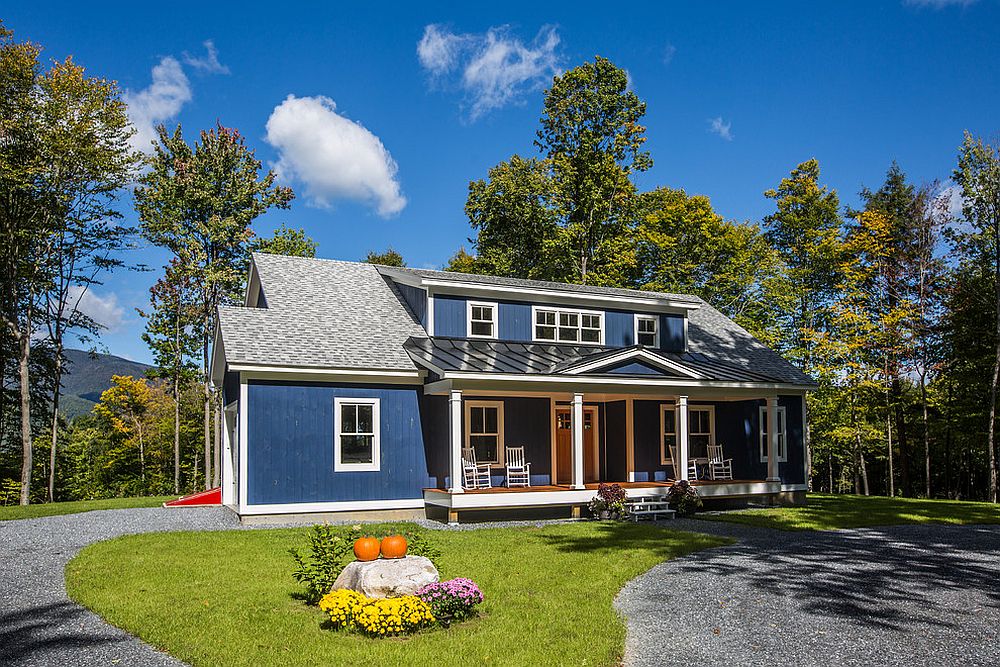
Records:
x=334, y=314
x=320, y=312
x=542, y=284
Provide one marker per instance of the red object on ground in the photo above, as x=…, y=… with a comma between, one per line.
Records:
x=210, y=497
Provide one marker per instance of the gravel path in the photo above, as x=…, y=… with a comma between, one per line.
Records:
x=902, y=595
x=39, y=625
x=906, y=595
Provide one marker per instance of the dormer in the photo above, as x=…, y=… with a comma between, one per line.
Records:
x=457, y=305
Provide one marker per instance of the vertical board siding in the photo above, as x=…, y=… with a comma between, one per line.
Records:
x=646, y=427
x=672, y=333
x=619, y=328
x=450, y=316
x=416, y=299
x=290, y=445
x=515, y=321
x=614, y=456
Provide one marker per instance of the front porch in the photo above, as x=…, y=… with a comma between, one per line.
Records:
x=571, y=501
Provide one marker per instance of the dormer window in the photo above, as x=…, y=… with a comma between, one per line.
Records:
x=569, y=326
x=647, y=330
x=482, y=319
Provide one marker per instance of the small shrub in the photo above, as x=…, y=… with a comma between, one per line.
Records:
x=683, y=498
x=610, y=498
x=331, y=549
x=351, y=610
x=453, y=600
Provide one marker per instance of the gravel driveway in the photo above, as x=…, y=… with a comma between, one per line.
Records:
x=907, y=595
x=38, y=623
x=903, y=595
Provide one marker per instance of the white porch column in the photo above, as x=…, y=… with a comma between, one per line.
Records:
x=578, y=441
x=228, y=473
x=455, y=441
x=682, y=436
x=772, y=439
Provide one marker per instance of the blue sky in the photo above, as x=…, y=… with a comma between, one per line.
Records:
x=393, y=109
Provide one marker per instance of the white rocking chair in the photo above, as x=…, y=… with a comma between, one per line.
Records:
x=719, y=467
x=518, y=472
x=476, y=475
x=692, y=466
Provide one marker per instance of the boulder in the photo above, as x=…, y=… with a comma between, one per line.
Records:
x=388, y=577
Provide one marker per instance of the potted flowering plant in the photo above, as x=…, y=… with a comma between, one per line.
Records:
x=683, y=498
x=609, y=503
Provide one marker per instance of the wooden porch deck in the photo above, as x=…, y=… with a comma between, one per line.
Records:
x=592, y=486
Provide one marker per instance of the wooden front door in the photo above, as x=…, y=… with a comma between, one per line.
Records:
x=564, y=445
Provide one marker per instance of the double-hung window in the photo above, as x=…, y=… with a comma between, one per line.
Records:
x=356, y=434
x=482, y=319
x=780, y=418
x=484, y=430
x=647, y=330
x=701, y=430
x=569, y=326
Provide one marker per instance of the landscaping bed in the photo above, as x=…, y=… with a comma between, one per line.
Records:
x=229, y=598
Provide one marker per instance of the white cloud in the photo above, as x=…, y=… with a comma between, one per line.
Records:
x=105, y=310
x=210, y=63
x=950, y=200
x=668, y=53
x=720, y=127
x=939, y=4
x=494, y=68
x=158, y=103
x=333, y=156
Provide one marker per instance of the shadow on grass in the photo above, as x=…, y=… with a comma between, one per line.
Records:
x=890, y=579
x=610, y=537
x=42, y=634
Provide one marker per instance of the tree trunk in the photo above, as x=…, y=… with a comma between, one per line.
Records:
x=829, y=470
x=24, y=354
x=927, y=437
x=892, y=474
x=991, y=430
x=901, y=437
x=55, y=425
x=949, y=491
x=217, y=459
x=177, y=435
x=208, y=410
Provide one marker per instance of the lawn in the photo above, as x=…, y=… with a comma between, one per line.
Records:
x=11, y=512
x=227, y=598
x=829, y=512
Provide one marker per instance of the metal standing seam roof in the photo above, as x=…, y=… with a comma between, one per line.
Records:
x=489, y=356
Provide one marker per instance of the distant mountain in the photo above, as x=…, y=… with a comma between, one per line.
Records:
x=86, y=376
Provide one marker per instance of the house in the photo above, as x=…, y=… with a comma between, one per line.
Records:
x=351, y=387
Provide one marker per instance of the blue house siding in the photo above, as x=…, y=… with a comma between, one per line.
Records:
x=416, y=299
x=515, y=323
x=736, y=428
x=290, y=445
x=450, y=315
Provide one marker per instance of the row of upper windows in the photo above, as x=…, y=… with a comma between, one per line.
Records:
x=559, y=325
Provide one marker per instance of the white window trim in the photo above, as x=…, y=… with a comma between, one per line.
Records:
x=635, y=328
x=374, y=466
x=500, y=437
x=496, y=318
x=558, y=310
x=710, y=409
x=782, y=443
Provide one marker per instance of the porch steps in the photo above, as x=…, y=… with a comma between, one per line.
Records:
x=648, y=507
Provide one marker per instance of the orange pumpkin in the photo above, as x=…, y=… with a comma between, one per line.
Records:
x=393, y=546
x=366, y=548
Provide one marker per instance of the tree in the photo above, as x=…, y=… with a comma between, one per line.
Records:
x=199, y=202
x=592, y=139
x=171, y=334
x=683, y=245
x=286, y=241
x=565, y=216
x=978, y=175
x=388, y=258
x=63, y=158
x=805, y=231
x=125, y=405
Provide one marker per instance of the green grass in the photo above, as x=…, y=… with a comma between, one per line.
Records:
x=227, y=598
x=11, y=512
x=829, y=512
